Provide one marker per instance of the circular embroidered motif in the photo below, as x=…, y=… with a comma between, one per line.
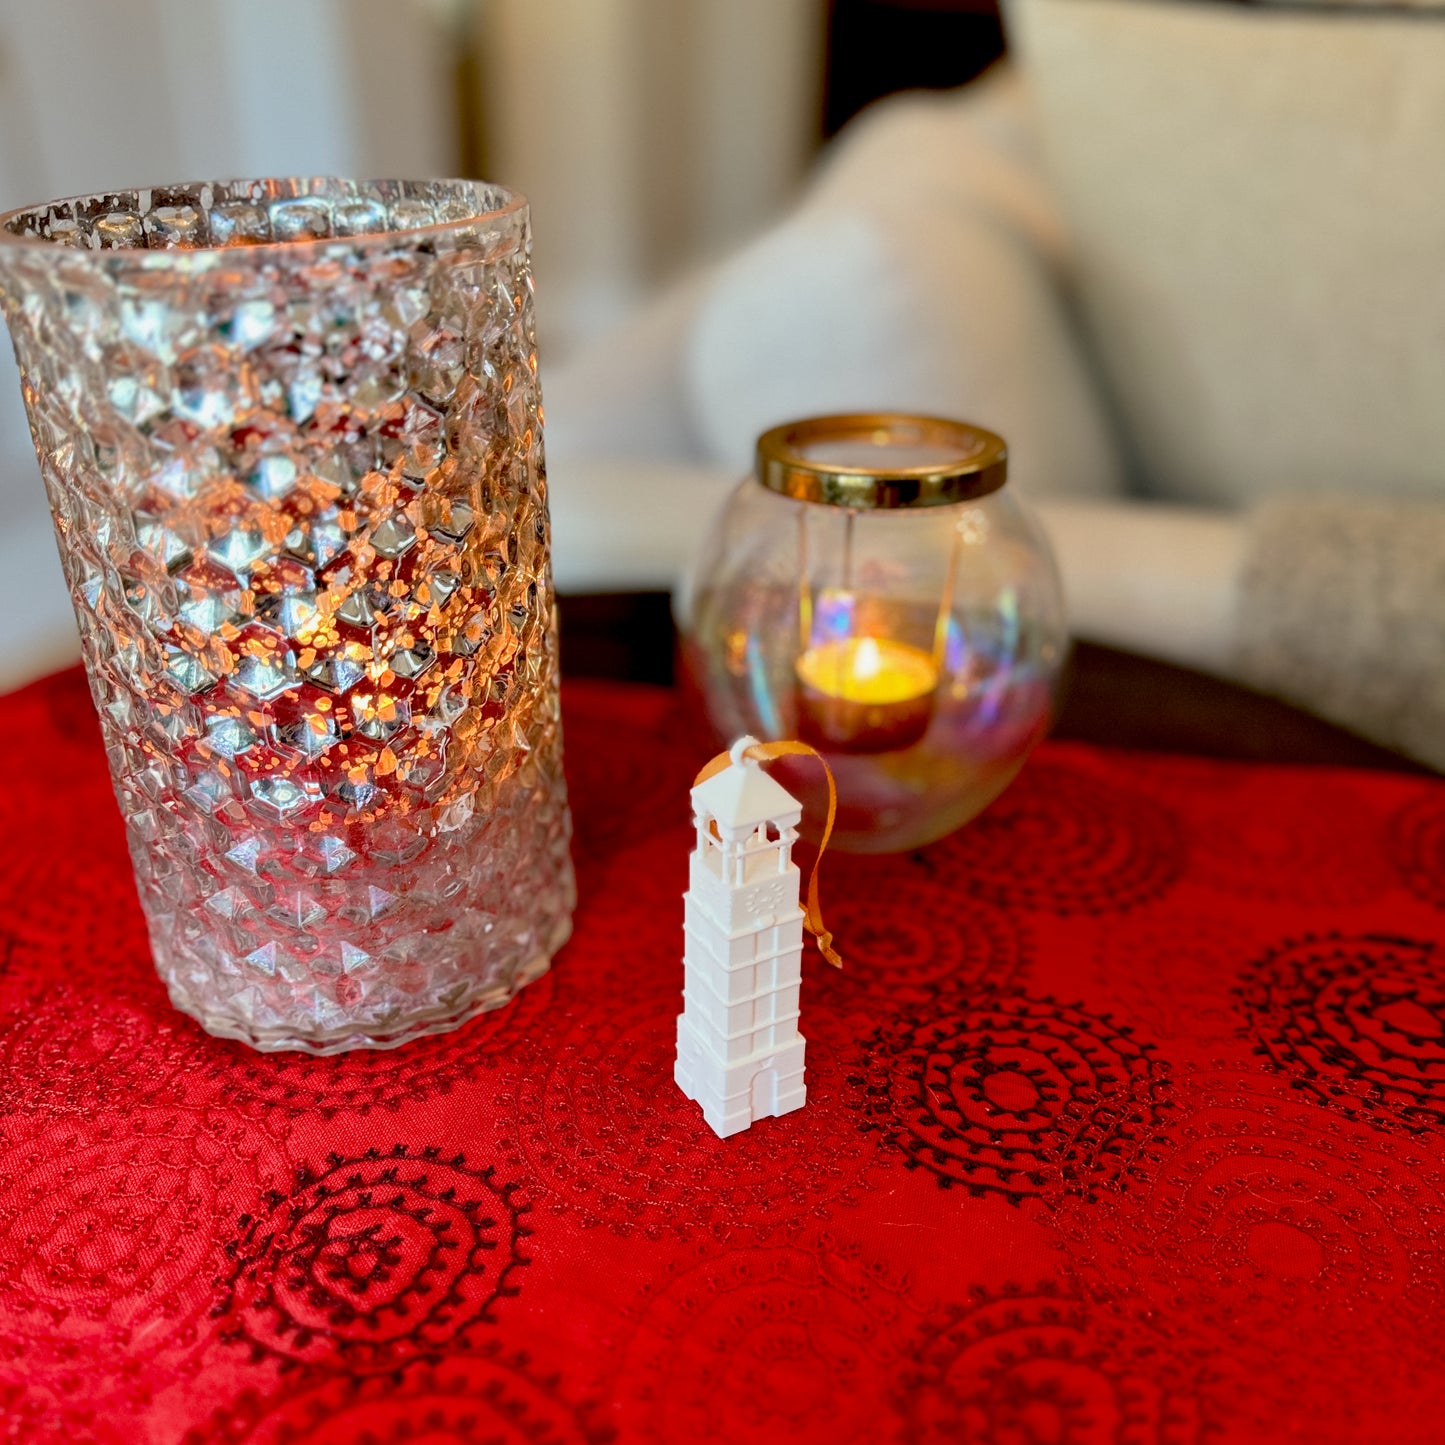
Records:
x=796, y=1344
x=1358, y=1022
x=367, y=1079
x=1000, y=1093
x=1036, y=1366
x=898, y=933
x=1063, y=841
x=374, y=1261
x=1259, y=1206
x=1165, y=972
x=610, y=1139
x=488, y=1397
x=82, y=1050
x=111, y=1237
x=1416, y=837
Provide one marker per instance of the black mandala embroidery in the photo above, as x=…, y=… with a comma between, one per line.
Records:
x=1359, y=1022
x=374, y=1261
x=1006, y=1094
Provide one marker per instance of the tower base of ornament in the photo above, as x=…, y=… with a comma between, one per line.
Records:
x=738, y=1094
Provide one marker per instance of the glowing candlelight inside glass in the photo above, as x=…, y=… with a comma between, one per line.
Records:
x=865, y=694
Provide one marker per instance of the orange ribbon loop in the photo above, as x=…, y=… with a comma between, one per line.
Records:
x=765, y=753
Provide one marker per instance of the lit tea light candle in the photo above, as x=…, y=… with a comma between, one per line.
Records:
x=865, y=694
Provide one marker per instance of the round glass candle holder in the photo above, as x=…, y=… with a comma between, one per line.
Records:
x=291, y=435
x=876, y=591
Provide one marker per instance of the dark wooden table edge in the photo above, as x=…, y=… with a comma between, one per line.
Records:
x=1109, y=697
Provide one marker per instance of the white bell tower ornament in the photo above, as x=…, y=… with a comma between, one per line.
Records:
x=739, y=1052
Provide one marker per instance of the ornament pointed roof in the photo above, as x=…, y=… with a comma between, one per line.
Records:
x=743, y=796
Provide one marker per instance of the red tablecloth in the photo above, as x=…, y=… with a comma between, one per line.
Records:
x=1124, y=1124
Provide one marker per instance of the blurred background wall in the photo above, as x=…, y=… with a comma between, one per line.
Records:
x=647, y=133
x=650, y=135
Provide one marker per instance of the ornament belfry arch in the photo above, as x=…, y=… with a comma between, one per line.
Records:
x=739, y=1052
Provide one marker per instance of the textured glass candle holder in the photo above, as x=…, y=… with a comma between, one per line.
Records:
x=291, y=435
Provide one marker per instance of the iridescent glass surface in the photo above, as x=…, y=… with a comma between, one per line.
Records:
x=291, y=436
x=967, y=591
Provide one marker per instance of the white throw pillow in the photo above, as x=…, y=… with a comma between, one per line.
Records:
x=1256, y=197
x=918, y=277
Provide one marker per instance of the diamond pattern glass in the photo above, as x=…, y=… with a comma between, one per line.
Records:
x=291, y=436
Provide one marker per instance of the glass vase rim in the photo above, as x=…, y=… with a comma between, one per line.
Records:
x=978, y=469
x=511, y=206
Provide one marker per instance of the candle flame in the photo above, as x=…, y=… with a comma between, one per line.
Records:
x=868, y=670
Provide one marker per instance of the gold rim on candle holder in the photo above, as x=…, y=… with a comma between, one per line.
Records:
x=979, y=466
